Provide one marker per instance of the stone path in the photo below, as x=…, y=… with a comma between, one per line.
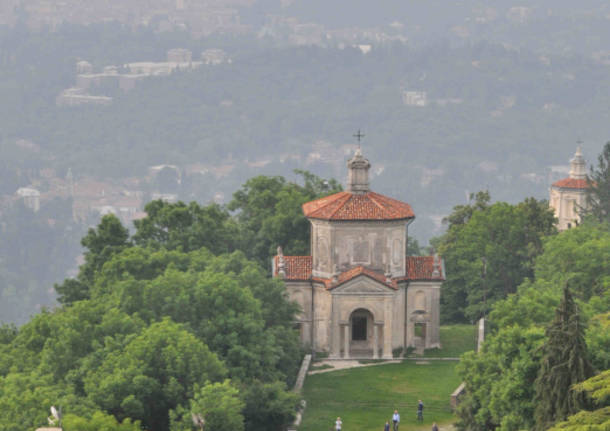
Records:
x=340, y=364
x=343, y=364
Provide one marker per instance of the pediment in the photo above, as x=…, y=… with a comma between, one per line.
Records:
x=363, y=284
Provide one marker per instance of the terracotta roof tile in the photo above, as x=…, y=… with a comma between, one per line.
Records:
x=299, y=268
x=296, y=267
x=352, y=273
x=571, y=183
x=421, y=268
x=351, y=206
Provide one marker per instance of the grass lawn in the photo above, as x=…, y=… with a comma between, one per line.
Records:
x=455, y=340
x=366, y=397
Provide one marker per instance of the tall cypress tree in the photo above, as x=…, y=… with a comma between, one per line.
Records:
x=564, y=363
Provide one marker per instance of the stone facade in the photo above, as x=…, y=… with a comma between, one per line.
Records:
x=568, y=195
x=360, y=294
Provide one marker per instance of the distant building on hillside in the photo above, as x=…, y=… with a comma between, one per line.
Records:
x=214, y=56
x=78, y=96
x=30, y=196
x=360, y=294
x=568, y=195
x=179, y=55
x=415, y=98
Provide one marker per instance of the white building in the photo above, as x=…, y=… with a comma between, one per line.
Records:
x=30, y=196
x=568, y=195
x=360, y=294
x=414, y=98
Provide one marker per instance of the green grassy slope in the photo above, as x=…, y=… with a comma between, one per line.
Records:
x=455, y=340
x=366, y=397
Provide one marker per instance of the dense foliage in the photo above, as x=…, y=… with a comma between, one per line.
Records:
x=564, y=363
x=523, y=368
x=489, y=249
x=598, y=192
x=155, y=323
x=597, y=419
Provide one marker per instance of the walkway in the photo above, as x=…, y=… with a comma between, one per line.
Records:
x=343, y=364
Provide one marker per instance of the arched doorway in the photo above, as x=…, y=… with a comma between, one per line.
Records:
x=363, y=334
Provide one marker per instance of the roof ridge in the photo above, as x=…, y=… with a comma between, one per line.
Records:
x=372, y=196
x=349, y=196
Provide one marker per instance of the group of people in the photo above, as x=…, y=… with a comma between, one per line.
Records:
x=395, y=419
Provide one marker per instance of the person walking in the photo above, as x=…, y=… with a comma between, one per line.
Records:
x=386, y=427
x=395, y=420
x=338, y=424
x=434, y=427
x=420, y=411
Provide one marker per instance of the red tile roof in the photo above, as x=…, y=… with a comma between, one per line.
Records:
x=421, y=268
x=571, y=183
x=351, y=206
x=296, y=267
x=352, y=273
x=299, y=268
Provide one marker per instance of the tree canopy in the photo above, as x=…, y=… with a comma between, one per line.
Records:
x=153, y=325
x=519, y=350
x=489, y=249
x=598, y=192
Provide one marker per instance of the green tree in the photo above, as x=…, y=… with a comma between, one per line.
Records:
x=564, y=363
x=269, y=212
x=579, y=256
x=598, y=340
x=218, y=404
x=107, y=239
x=499, y=381
x=488, y=252
x=241, y=313
x=187, y=227
x=463, y=213
x=598, y=192
x=155, y=373
x=596, y=419
x=98, y=421
x=268, y=406
x=25, y=399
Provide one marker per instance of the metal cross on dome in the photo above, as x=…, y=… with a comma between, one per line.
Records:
x=359, y=135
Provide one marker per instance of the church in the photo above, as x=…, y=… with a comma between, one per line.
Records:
x=568, y=196
x=361, y=295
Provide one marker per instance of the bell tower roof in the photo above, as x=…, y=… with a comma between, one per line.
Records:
x=578, y=173
x=358, y=202
x=358, y=173
x=578, y=166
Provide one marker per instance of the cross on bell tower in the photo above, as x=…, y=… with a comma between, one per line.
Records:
x=358, y=135
x=358, y=170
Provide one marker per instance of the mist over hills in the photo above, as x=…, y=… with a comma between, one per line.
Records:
x=453, y=97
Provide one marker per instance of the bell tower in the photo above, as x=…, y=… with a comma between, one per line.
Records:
x=578, y=168
x=358, y=174
x=568, y=195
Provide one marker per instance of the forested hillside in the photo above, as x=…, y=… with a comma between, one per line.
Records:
x=544, y=364
x=171, y=321
x=497, y=116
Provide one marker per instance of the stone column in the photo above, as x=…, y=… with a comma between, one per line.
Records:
x=346, y=340
x=387, y=331
x=387, y=341
x=335, y=341
x=375, y=342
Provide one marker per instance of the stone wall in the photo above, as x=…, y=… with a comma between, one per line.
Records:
x=339, y=246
